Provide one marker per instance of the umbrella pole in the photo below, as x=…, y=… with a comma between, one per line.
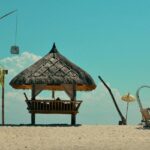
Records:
x=127, y=111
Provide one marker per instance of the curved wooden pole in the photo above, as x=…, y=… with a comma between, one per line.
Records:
x=123, y=120
x=138, y=97
x=7, y=14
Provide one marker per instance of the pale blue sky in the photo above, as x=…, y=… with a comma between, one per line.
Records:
x=110, y=38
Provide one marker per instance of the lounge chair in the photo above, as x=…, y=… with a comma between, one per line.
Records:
x=144, y=111
x=146, y=116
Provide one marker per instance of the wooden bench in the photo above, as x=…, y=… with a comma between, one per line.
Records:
x=53, y=106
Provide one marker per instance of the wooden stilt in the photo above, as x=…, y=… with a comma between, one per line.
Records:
x=33, y=118
x=73, y=119
x=33, y=98
x=73, y=116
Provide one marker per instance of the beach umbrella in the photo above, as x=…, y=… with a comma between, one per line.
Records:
x=128, y=98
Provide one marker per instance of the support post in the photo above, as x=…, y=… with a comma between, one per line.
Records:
x=53, y=94
x=3, y=95
x=73, y=116
x=3, y=113
x=33, y=98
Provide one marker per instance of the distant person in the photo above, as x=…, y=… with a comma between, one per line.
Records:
x=58, y=99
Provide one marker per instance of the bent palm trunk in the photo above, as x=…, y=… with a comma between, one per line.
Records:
x=123, y=120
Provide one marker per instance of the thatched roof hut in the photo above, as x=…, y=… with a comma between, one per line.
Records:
x=52, y=71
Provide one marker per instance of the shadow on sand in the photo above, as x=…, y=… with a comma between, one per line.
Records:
x=40, y=125
x=143, y=128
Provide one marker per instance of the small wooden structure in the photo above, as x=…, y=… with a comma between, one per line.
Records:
x=56, y=73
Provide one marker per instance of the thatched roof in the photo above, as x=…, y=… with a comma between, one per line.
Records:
x=52, y=71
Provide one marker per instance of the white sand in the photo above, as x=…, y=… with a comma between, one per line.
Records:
x=95, y=137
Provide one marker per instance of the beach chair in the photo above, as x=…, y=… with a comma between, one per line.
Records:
x=144, y=111
x=146, y=116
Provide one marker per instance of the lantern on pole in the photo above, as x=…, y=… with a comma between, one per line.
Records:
x=14, y=48
x=3, y=72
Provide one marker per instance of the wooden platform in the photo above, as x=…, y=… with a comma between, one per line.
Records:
x=53, y=106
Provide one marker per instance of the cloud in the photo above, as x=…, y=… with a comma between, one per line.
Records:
x=15, y=64
x=15, y=107
x=97, y=106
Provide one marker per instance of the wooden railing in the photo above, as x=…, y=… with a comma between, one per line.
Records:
x=53, y=106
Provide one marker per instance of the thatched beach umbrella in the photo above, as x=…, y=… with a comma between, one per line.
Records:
x=53, y=71
x=128, y=98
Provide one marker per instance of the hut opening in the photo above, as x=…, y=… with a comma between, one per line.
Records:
x=56, y=73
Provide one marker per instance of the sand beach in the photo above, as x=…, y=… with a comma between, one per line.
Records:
x=85, y=137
